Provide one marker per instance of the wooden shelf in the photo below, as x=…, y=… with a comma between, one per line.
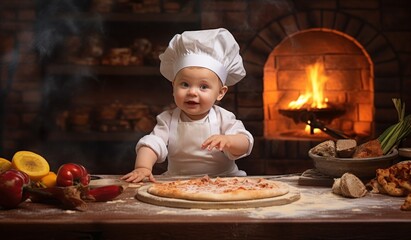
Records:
x=83, y=70
x=134, y=17
x=96, y=136
x=124, y=26
x=152, y=17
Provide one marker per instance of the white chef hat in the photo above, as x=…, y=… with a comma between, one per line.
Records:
x=215, y=49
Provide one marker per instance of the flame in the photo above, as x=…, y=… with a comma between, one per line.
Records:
x=315, y=89
x=307, y=129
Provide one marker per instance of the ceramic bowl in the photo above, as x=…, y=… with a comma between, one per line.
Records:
x=360, y=167
x=405, y=152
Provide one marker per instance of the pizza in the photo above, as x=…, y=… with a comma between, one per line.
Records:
x=220, y=189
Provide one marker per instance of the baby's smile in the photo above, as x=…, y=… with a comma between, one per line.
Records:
x=191, y=102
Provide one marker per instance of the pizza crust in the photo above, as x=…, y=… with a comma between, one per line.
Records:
x=220, y=189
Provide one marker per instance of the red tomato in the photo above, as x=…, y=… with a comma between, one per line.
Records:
x=12, y=183
x=70, y=174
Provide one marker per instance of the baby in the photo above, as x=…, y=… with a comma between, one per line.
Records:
x=197, y=137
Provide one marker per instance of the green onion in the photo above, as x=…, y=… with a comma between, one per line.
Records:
x=394, y=134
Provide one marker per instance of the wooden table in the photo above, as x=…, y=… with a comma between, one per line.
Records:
x=319, y=214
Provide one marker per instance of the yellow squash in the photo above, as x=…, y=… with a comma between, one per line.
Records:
x=4, y=165
x=49, y=180
x=31, y=163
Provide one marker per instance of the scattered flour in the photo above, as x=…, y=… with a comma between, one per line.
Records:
x=167, y=212
x=116, y=201
x=135, y=185
x=319, y=203
x=314, y=202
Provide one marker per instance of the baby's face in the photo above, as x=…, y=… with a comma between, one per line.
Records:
x=196, y=89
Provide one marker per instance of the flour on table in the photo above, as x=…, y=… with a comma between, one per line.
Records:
x=313, y=203
x=167, y=212
x=116, y=201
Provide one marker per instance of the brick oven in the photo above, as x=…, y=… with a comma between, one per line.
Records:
x=360, y=63
x=361, y=48
x=339, y=82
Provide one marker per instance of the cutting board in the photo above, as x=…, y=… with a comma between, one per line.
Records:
x=312, y=177
x=144, y=196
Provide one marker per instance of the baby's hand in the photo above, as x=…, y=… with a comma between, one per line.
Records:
x=236, y=144
x=219, y=142
x=138, y=175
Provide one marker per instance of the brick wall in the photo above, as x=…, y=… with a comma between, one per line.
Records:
x=20, y=77
x=382, y=26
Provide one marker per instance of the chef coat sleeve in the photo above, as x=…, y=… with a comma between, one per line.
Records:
x=231, y=125
x=157, y=140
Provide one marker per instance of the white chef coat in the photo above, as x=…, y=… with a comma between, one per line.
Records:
x=178, y=138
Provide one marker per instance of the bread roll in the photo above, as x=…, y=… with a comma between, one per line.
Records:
x=349, y=186
x=369, y=149
x=325, y=149
x=336, y=188
x=345, y=147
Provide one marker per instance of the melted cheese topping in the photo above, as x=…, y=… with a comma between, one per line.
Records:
x=219, y=185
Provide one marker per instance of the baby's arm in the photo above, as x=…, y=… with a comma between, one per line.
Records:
x=145, y=160
x=236, y=144
x=150, y=149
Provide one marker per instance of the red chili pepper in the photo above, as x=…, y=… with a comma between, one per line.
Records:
x=105, y=193
x=70, y=174
x=12, y=184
